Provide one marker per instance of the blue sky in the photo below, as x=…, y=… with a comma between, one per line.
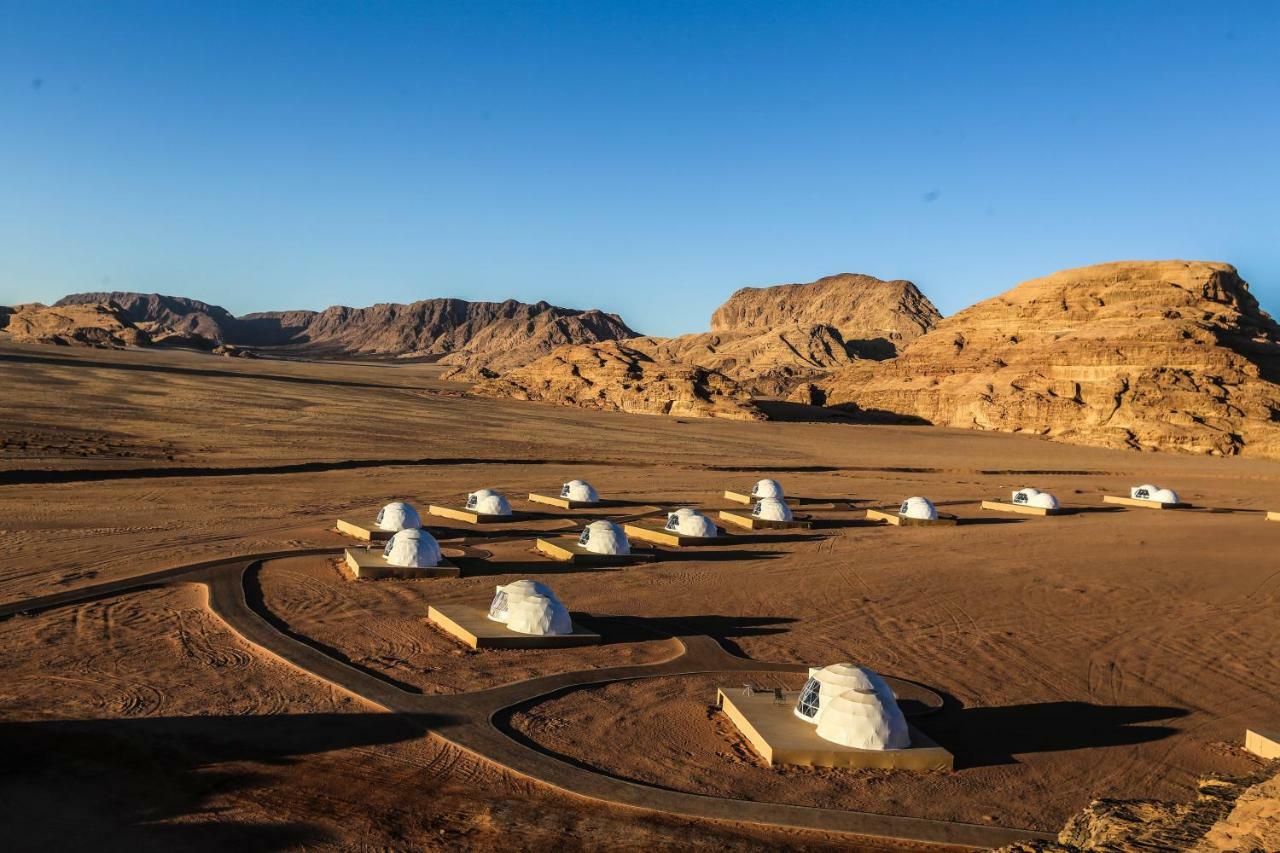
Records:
x=644, y=158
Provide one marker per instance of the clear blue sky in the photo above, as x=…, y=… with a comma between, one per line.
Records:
x=647, y=158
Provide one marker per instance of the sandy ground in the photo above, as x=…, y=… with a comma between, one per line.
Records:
x=1100, y=654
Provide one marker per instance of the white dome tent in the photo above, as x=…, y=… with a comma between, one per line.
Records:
x=767, y=489
x=605, y=537
x=689, y=522
x=397, y=516
x=579, y=490
x=772, y=509
x=854, y=706
x=413, y=548
x=1035, y=498
x=919, y=508
x=488, y=502
x=529, y=607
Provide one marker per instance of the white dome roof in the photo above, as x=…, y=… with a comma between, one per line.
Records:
x=412, y=548
x=767, y=489
x=505, y=594
x=918, y=507
x=690, y=522
x=1143, y=492
x=829, y=681
x=1024, y=496
x=863, y=719
x=538, y=615
x=398, y=515
x=579, y=490
x=1165, y=496
x=604, y=537
x=772, y=509
x=488, y=502
x=1044, y=500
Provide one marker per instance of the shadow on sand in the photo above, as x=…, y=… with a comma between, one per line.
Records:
x=722, y=629
x=146, y=784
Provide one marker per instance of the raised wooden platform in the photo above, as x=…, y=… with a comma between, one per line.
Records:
x=565, y=503
x=365, y=531
x=1273, y=516
x=1117, y=499
x=780, y=737
x=747, y=500
x=371, y=565
x=662, y=536
x=750, y=522
x=469, y=516
x=1005, y=506
x=1264, y=744
x=567, y=550
x=892, y=517
x=473, y=627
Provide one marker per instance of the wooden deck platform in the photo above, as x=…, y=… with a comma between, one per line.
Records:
x=471, y=517
x=780, y=737
x=1006, y=506
x=365, y=531
x=567, y=550
x=565, y=503
x=750, y=522
x=662, y=536
x=472, y=627
x=371, y=565
x=1273, y=516
x=892, y=517
x=747, y=500
x=1119, y=499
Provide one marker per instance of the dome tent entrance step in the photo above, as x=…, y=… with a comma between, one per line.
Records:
x=780, y=737
x=473, y=628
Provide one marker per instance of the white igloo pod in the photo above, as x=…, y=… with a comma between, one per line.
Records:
x=690, y=522
x=767, y=489
x=772, y=509
x=488, y=502
x=604, y=537
x=826, y=682
x=1143, y=492
x=396, y=516
x=503, y=596
x=1024, y=496
x=412, y=548
x=864, y=719
x=918, y=507
x=579, y=490
x=1165, y=496
x=538, y=615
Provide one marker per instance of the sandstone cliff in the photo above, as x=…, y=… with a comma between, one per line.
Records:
x=74, y=325
x=614, y=377
x=161, y=314
x=1160, y=355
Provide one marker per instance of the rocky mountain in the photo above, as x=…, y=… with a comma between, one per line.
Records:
x=1158, y=355
x=873, y=317
x=483, y=335
x=74, y=325
x=615, y=377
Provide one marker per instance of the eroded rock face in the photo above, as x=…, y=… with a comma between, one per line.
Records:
x=614, y=377
x=1159, y=355
x=158, y=314
x=74, y=325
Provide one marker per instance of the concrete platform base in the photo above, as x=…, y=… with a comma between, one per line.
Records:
x=1264, y=744
x=565, y=503
x=567, y=550
x=780, y=737
x=469, y=516
x=750, y=522
x=365, y=531
x=1118, y=499
x=662, y=536
x=473, y=627
x=892, y=517
x=1005, y=506
x=371, y=565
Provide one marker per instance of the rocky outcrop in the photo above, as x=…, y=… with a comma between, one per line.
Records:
x=159, y=314
x=613, y=376
x=873, y=318
x=1160, y=355
x=104, y=326
x=1226, y=815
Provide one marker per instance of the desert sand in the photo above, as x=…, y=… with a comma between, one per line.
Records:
x=1099, y=654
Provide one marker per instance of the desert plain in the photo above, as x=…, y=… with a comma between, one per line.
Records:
x=1109, y=653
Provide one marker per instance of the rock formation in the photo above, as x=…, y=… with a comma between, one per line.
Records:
x=614, y=377
x=1160, y=355
x=156, y=313
x=103, y=326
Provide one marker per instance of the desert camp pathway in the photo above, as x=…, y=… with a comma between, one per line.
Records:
x=476, y=721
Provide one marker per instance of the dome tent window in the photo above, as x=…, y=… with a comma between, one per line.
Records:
x=807, y=707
